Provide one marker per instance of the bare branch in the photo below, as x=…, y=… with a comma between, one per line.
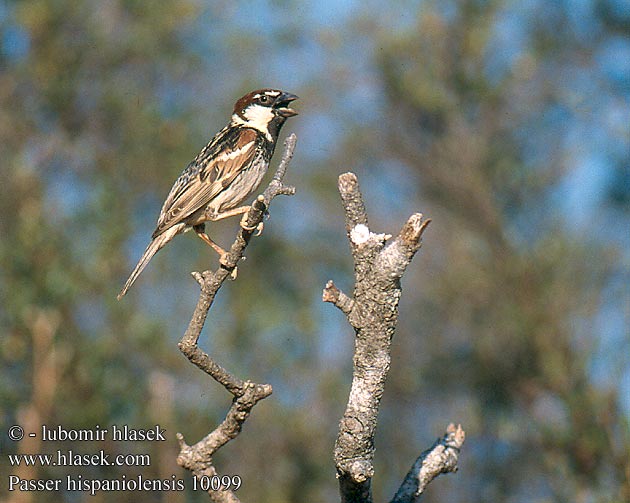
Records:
x=441, y=458
x=373, y=312
x=356, y=216
x=332, y=294
x=287, y=155
x=352, y=201
x=398, y=254
x=198, y=457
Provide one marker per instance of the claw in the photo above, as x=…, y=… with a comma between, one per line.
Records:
x=224, y=262
x=248, y=228
x=259, y=228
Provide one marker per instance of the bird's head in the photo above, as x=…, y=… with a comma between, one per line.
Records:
x=265, y=110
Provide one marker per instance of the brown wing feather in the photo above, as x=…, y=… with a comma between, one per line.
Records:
x=199, y=185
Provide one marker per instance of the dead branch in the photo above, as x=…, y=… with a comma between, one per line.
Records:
x=440, y=458
x=198, y=457
x=379, y=264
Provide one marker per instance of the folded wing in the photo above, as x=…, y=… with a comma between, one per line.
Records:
x=204, y=179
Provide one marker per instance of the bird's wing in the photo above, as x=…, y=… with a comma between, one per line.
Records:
x=210, y=173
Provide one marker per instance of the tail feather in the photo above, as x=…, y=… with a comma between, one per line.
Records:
x=154, y=246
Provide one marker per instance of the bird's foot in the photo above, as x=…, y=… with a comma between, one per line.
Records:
x=258, y=228
x=224, y=261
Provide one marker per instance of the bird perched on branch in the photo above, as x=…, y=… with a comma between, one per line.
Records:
x=224, y=173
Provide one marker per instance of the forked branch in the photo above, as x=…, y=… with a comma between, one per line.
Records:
x=198, y=457
x=379, y=264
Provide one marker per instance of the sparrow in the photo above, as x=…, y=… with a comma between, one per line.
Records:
x=226, y=171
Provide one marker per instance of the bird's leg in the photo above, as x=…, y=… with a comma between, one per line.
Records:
x=201, y=232
x=229, y=213
x=241, y=210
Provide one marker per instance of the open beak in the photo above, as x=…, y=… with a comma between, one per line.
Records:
x=282, y=102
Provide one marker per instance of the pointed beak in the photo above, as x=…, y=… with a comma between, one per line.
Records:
x=281, y=105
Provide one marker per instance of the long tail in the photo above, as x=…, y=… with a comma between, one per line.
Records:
x=154, y=246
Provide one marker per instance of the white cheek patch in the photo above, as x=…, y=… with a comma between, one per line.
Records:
x=256, y=117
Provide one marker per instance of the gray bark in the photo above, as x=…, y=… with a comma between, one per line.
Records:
x=379, y=264
x=198, y=457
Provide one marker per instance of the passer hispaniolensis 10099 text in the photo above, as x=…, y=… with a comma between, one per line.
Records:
x=226, y=171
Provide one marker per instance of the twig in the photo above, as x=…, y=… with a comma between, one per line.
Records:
x=332, y=294
x=441, y=458
x=198, y=457
x=379, y=264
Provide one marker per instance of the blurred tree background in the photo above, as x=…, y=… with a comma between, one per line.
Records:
x=505, y=122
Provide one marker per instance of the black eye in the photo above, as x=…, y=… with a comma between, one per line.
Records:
x=264, y=99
